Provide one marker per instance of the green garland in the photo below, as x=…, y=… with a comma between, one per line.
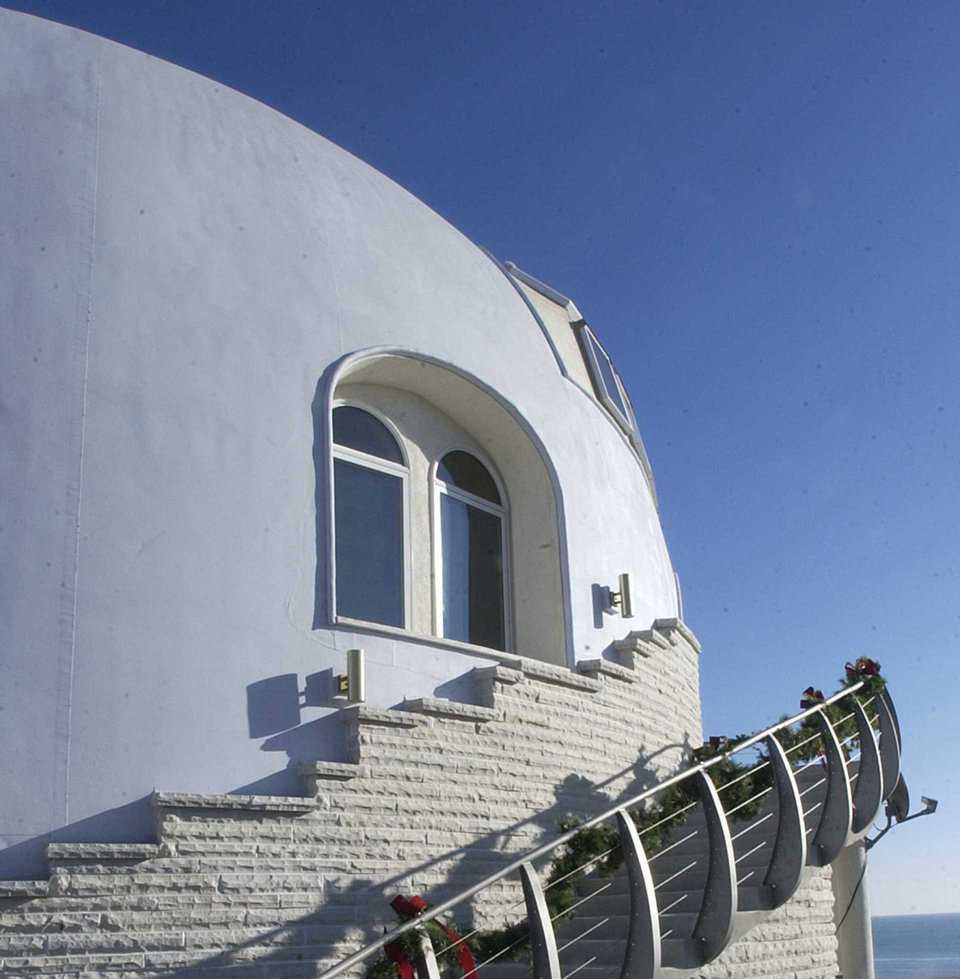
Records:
x=599, y=846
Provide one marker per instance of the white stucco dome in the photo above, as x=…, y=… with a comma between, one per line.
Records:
x=186, y=277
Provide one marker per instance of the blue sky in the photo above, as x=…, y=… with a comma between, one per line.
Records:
x=757, y=206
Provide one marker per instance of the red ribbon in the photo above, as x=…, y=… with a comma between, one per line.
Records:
x=413, y=907
x=396, y=953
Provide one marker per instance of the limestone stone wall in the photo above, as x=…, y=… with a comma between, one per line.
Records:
x=430, y=797
x=797, y=941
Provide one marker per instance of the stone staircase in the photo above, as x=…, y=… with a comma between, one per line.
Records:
x=434, y=796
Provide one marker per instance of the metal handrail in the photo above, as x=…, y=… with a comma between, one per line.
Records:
x=450, y=903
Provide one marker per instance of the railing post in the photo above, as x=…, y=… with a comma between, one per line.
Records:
x=868, y=792
x=642, y=958
x=836, y=814
x=790, y=848
x=543, y=942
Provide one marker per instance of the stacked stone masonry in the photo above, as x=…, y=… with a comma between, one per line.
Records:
x=433, y=796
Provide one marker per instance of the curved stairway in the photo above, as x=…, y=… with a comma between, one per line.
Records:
x=669, y=914
x=231, y=886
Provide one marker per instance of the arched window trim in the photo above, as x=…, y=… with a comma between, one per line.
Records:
x=439, y=487
x=382, y=465
x=337, y=373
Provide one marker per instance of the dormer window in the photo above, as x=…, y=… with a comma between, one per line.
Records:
x=606, y=380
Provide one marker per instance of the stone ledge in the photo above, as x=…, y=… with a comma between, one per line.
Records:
x=558, y=675
x=643, y=642
x=593, y=667
x=363, y=714
x=235, y=803
x=498, y=674
x=451, y=709
x=24, y=888
x=338, y=771
x=678, y=627
x=102, y=851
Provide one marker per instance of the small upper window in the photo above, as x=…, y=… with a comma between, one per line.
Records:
x=369, y=487
x=605, y=378
x=468, y=473
x=354, y=428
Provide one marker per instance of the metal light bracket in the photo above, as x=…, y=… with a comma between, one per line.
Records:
x=352, y=684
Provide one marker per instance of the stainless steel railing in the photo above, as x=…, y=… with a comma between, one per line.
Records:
x=524, y=862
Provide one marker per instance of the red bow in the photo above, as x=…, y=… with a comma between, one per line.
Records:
x=409, y=907
x=413, y=907
x=863, y=667
x=810, y=697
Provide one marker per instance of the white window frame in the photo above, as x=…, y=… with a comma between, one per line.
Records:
x=590, y=344
x=380, y=465
x=439, y=488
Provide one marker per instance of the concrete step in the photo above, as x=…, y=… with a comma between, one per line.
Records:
x=619, y=904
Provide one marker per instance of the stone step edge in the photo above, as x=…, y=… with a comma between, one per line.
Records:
x=190, y=940
x=603, y=667
x=102, y=852
x=677, y=627
x=24, y=888
x=360, y=714
x=559, y=676
x=76, y=962
x=294, y=805
x=643, y=642
x=451, y=709
x=337, y=771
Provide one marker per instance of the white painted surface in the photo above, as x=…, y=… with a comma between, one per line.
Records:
x=851, y=914
x=179, y=267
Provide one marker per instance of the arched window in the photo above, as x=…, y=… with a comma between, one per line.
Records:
x=370, y=494
x=471, y=553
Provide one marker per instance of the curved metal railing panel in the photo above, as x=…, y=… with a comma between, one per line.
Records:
x=642, y=959
x=543, y=941
x=889, y=746
x=714, y=927
x=837, y=810
x=868, y=792
x=884, y=695
x=426, y=961
x=790, y=847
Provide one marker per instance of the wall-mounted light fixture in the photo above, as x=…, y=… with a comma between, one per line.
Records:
x=898, y=806
x=619, y=601
x=352, y=684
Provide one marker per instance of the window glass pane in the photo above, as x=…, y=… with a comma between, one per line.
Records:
x=472, y=547
x=369, y=543
x=468, y=473
x=607, y=376
x=358, y=429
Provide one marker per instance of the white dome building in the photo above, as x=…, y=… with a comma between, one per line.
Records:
x=260, y=406
x=191, y=283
